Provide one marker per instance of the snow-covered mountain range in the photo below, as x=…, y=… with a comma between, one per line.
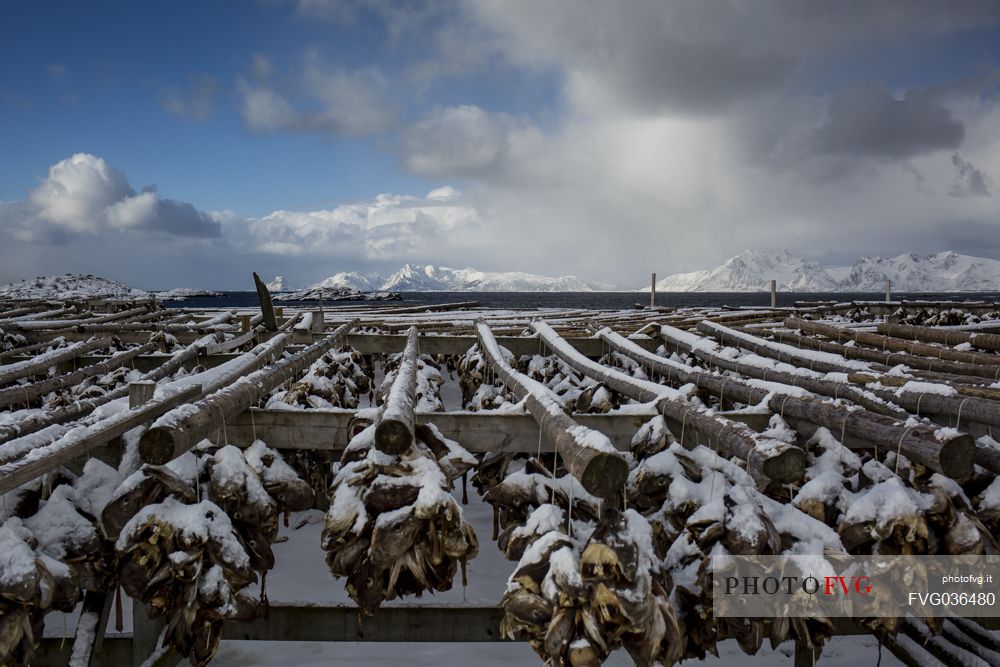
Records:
x=753, y=270
x=430, y=278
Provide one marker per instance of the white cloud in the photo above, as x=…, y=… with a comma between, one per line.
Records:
x=84, y=195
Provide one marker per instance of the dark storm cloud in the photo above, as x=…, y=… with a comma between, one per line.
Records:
x=869, y=121
x=701, y=57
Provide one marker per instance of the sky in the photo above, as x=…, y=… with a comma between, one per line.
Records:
x=190, y=143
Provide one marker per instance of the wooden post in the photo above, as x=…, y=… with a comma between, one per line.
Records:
x=140, y=393
x=652, y=292
x=266, y=308
x=145, y=630
x=245, y=323
x=318, y=321
x=774, y=294
x=888, y=291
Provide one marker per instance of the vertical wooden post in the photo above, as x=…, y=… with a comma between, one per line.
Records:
x=803, y=655
x=145, y=630
x=245, y=323
x=318, y=321
x=266, y=308
x=774, y=294
x=652, y=292
x=140, y=393
x=888, y=291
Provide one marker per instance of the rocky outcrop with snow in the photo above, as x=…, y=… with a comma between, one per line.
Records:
x=184, y=293
x=276, y=285
x=70, y=287
x=753, y=270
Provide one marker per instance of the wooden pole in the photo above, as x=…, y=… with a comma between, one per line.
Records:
x=905, y=338
x=266, y=307
x=81, y=441
x=888, y=291
x=774, y=294
x=180, y=430
x=245, y=323
x=24, y=393
x=587, y=454
x=983, y=341
x=780, y=462
x=394, y=425
x=951, y=456
x=652, y=292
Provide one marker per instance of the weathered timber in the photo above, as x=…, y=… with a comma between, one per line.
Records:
x=780, y=462
x=518, y=345
x=233, y=343
x=952, y=633
x=266, y=307
x=938, y=646
x=983, y=341
x=32, y=325
x=90, y=628
x=431, y=308
x=823, y=362
x=177, y=432
x=83, y=408
x=949, y=454
x=588, y=455
x=394, y=425
x=39, y=365
x=929, y=367
x=970, y=408
x=890, y=342
x=988, y=457
x=20, y=351
x=816, y=385
x=75, y=443
x=479, y=432
x=27, y=392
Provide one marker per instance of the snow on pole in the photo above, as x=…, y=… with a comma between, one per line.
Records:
x=394, y=426
x=180, y=429
x=40, y=364
x=778, y=461
x=587, y=454
x=946, y=451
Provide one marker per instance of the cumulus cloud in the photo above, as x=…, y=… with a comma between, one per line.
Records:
x=195, y=102
x=84, y=195
x=316, y=99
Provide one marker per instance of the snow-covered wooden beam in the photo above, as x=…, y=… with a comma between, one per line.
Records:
x=79, y=441
x=933, y=368
x=777, y=461
x=478, y=432
x=902, y=340
x=587, y=454
x=394, y=424
x=982, y=341
x=40, y=364
x=27, y=392
x=179, y=430
x=165, y=366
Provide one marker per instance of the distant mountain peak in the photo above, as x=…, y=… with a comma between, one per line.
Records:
x=753, y=270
